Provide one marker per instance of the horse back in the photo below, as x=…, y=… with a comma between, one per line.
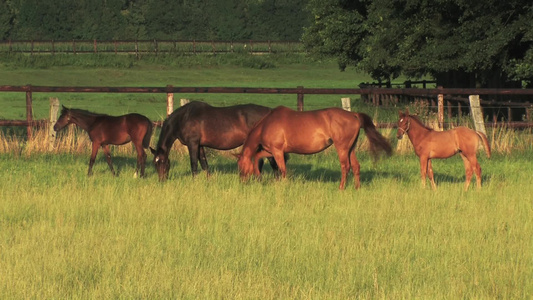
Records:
x=215, y=127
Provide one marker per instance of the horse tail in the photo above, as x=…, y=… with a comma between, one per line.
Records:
x=485, y=142
x=148, y=135
x=377, y=141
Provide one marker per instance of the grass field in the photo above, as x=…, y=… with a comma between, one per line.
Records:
x=66, y=235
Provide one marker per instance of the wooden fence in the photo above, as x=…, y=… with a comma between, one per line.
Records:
x=140, y=47
x=300, y=91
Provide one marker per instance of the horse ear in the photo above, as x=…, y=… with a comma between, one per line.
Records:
x=407, y=111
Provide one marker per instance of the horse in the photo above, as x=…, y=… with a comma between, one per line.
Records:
x=105, y=130
x=287, y=131
x=198, y=125
x=429, y=144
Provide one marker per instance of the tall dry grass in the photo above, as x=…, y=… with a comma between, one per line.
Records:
x=502, y=140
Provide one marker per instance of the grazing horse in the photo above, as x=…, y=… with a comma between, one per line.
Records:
x=198, y=125
x=287, y=131
x=430, y=144
x=104, y=130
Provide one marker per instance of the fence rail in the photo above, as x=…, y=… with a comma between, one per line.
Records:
x=139, y=47
x=300, y=91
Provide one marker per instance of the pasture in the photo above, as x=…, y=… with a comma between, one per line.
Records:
x=66, y=235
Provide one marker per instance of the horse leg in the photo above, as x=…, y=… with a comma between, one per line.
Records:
x=430, y=175
x=477, y=170
x=141, y=159
x=279, y=157
x=356, y=169
x=423, y=169
x=345, y=167
x=193, y=156
x=108, y=158
x=93, y=158
x=470, y=164
x=258, y=162
x=203, y=160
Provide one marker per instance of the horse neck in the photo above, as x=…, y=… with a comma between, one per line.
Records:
x=166, y=138
x=416, y=130
x=83, y=120
x=251, y=144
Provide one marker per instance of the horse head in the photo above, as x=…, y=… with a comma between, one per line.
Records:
x=246, y=166
x=64, y=119
x=161, y=163
x=403, y=124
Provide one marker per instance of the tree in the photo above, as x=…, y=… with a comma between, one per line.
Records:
x=481, y=43
x=7, y=18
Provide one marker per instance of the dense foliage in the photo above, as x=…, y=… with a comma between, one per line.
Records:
x=460, y=43
x=149, y=19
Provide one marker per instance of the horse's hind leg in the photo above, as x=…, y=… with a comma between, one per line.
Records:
x=141, y=159
x=203, y=159
x=356, y=169
x=474, y=167
x=345, y=166
x=94, y=151
x=468, y=171
x=108, y=158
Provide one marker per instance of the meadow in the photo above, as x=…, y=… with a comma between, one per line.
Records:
x=66, y=235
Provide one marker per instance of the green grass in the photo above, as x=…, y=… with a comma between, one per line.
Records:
x=220, y=71
x=68, y=236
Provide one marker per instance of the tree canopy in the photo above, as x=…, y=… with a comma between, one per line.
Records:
x=153, y=19
x=460, y=43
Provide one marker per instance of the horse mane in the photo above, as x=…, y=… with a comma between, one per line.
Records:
x=417, y=119
x=82, y=112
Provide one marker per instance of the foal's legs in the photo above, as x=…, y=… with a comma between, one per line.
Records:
x=423, y=169
x=471, y=166
x=108, y=158
x=95, y=147
x=141, y=158
x=430, y=175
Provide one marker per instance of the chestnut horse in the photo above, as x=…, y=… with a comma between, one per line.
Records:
x=429, y=144
x=287, y=131
x=107, y=130
x=198, y=125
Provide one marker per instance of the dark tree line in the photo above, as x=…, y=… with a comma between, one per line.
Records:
x=153, y=19
x=460, y=43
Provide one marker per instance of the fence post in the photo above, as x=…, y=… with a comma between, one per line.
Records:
x=346, y=105
x=184, y=101
x=300, y=100
x=170, y=101
x=54, y=109
x=477, y=114
x=440, y=111
x=29, y=111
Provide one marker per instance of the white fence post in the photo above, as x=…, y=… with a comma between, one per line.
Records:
x=477, y=114
x=346, y=104
x=54, y=109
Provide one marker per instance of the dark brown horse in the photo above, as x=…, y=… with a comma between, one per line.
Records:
x=198, y=125
x=105, y=130
x=429, y=144
x=287, y=131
